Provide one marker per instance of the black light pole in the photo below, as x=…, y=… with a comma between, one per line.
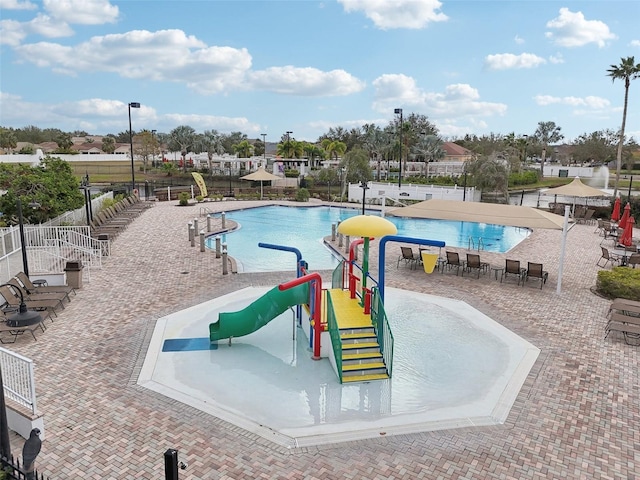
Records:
x=133, y=175
x=288, y=144
x=526, y=141
x=23, y=317
x=364, y=187
x=25, y=263
x=264, y=144
x=230, y=192
x=396, y=111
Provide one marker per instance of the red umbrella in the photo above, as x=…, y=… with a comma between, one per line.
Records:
x=625, y=216
x=615, y=215
x=627, y=235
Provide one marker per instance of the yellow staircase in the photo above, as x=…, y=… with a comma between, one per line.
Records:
x=362, y=360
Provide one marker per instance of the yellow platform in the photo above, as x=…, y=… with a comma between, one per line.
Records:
x=349, y=313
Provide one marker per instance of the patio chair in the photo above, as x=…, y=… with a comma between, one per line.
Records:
x=633, y=260
x=453, y=260
x=587, y=218
x=30, y=287
x=629, y=325
x=535, y=270
x=12, y=299
x=38, y=296
x=408, y=257
x=599, y=227
x=608, y=258
x=512, y=267
x=474, y=263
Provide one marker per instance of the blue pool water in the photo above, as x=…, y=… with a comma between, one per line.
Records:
x=305, y=227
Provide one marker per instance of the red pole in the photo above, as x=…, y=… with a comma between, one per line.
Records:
x=316, y=280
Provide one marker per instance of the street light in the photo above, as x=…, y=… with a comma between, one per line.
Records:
x=396, y=111
x=133, y=175
x=364, y=187
x=23, y=317
x=25, y=263
x=526, y=142
x=264, y=145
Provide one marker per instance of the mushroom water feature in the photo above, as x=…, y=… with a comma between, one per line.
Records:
x=367, y=227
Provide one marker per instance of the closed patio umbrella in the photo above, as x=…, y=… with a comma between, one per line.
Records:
x=627, y=235
x=625, y=216
x=615, y=215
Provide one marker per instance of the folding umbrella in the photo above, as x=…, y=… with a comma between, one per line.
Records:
x=625, y=216
x=627, y=235
x=615, y=215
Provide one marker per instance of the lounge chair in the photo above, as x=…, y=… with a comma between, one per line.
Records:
x=627, y=323
x=30, y=287
x=587, y=218
x=474, y=263
x=512, y=267
x=38, y=296
x=608, y=258
x=535, y=270
x=453, y=260
x=12, y=299
x=408, y=257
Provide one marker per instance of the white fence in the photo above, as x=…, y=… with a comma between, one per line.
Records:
x=376, y=191
x=51, y=244
x=18, y=379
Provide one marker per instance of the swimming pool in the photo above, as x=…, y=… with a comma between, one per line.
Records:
x=305, y=227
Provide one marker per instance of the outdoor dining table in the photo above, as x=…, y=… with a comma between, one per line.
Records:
x=623, y=255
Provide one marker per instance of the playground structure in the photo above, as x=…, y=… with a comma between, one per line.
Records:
x=346, y=323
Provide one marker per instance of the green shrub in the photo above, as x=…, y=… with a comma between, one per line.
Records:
x=302, y=195
x=199, y=198
x=290, y=173
x=183, y=199
x=619, y=282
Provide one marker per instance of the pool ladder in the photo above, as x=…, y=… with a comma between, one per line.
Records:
x=475, y=246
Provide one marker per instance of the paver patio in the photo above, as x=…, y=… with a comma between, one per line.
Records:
x=577, y=416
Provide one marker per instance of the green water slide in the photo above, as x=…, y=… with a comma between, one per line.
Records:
x=259, y=313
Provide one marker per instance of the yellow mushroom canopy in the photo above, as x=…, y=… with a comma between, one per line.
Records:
x=367, y=226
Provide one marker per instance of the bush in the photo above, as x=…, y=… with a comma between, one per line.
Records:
x=527, y=177
x=199, y=198
x=183, y=199
x=619, y=282
x=302, y=195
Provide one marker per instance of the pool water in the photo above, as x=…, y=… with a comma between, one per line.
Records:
x=305, y=227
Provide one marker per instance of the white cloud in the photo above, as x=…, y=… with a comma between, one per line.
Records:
x=17, y=5
x=82, y=12
x=48, y=27
x=518, y=39
x=388, y=14
x=103, y=116
x=308, y=81
x=11, y=32
x=634, y=43
x=571, y=29
x=204, y=69
x=507, y=61
x=459, y=103
x=556, y=59
x=592, y=102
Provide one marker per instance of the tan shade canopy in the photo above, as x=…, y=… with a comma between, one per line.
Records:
x=510, y=215
x=260, y=175
x=367, y=226
x=576, y=189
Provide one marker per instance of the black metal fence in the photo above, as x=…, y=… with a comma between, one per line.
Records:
x=11, y=470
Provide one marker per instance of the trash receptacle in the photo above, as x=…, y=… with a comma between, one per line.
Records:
x=73, y=269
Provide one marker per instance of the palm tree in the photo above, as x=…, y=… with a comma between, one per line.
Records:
x=244, y=149
x=627, y=70
x=429, y=147
x=334, y=148
x=546, y=133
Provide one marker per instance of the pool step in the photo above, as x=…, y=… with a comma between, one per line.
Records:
x=362, y=360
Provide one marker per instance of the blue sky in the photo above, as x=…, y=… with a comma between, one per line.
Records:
x=305, y=66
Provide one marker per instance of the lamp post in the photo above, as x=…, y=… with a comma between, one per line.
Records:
x=364, y=187
x=264, y=145
x=396, y=111
x=288, y=144
x=25, y=263
x=133, y=175
x=230, y=191
x=22, y=317
x=526, y=142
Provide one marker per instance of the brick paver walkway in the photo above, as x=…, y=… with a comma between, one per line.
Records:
x=577, y=416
